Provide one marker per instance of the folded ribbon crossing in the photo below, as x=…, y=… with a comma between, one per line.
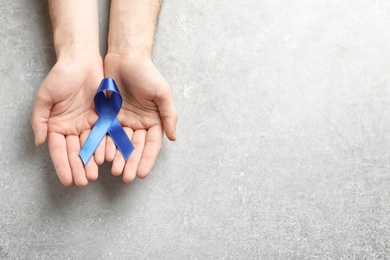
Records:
x=107, y=109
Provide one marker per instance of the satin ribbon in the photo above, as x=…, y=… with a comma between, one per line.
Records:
x=107, y=109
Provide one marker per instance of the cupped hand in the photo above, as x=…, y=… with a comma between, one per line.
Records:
x=147, y=112
x=64, y=113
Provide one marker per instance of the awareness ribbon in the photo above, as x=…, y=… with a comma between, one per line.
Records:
x=107, y=109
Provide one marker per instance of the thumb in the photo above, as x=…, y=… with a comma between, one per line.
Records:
x=168, y=113
x=40, y=117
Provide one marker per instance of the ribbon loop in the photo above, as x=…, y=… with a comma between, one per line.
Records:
x=107, y=109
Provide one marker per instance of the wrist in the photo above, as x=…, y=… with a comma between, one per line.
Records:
x=76, y=52
x=81, y=63
x=127, y=60
x=75, y=45
x=124, y=38
x=130, y=53
x=129, y=56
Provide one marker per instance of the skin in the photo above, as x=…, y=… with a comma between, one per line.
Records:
x=63, y=110
x=148, y=108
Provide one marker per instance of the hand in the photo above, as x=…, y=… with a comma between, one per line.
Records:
x=64, y=112
x=147, y=111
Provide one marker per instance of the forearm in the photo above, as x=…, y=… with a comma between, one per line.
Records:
x=132, y=27
x=75, y=27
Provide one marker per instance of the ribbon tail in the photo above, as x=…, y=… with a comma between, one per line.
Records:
x=94, y=138
x=121, y=140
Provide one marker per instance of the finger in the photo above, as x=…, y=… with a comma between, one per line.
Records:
x=119, y=161
x=166, y=107
x=110, y=149
x=59, y=156
x=131, y=166
x=91, y=169
x=100, y=152
x=153, y=145
x=40, y=116
x=78, y=171
x=118, y=164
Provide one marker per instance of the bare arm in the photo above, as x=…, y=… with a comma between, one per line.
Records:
x=75, y=27
x=132, y=26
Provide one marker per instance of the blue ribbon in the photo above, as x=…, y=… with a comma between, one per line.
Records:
x=107, y=109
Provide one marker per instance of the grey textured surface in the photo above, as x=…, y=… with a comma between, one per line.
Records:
x=283, y=147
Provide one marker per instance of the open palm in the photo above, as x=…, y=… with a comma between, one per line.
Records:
x=147, y=112
x=64, y=113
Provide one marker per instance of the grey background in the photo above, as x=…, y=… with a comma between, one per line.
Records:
x=283, y=139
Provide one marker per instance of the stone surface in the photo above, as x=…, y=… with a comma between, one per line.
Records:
x=283, y=139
